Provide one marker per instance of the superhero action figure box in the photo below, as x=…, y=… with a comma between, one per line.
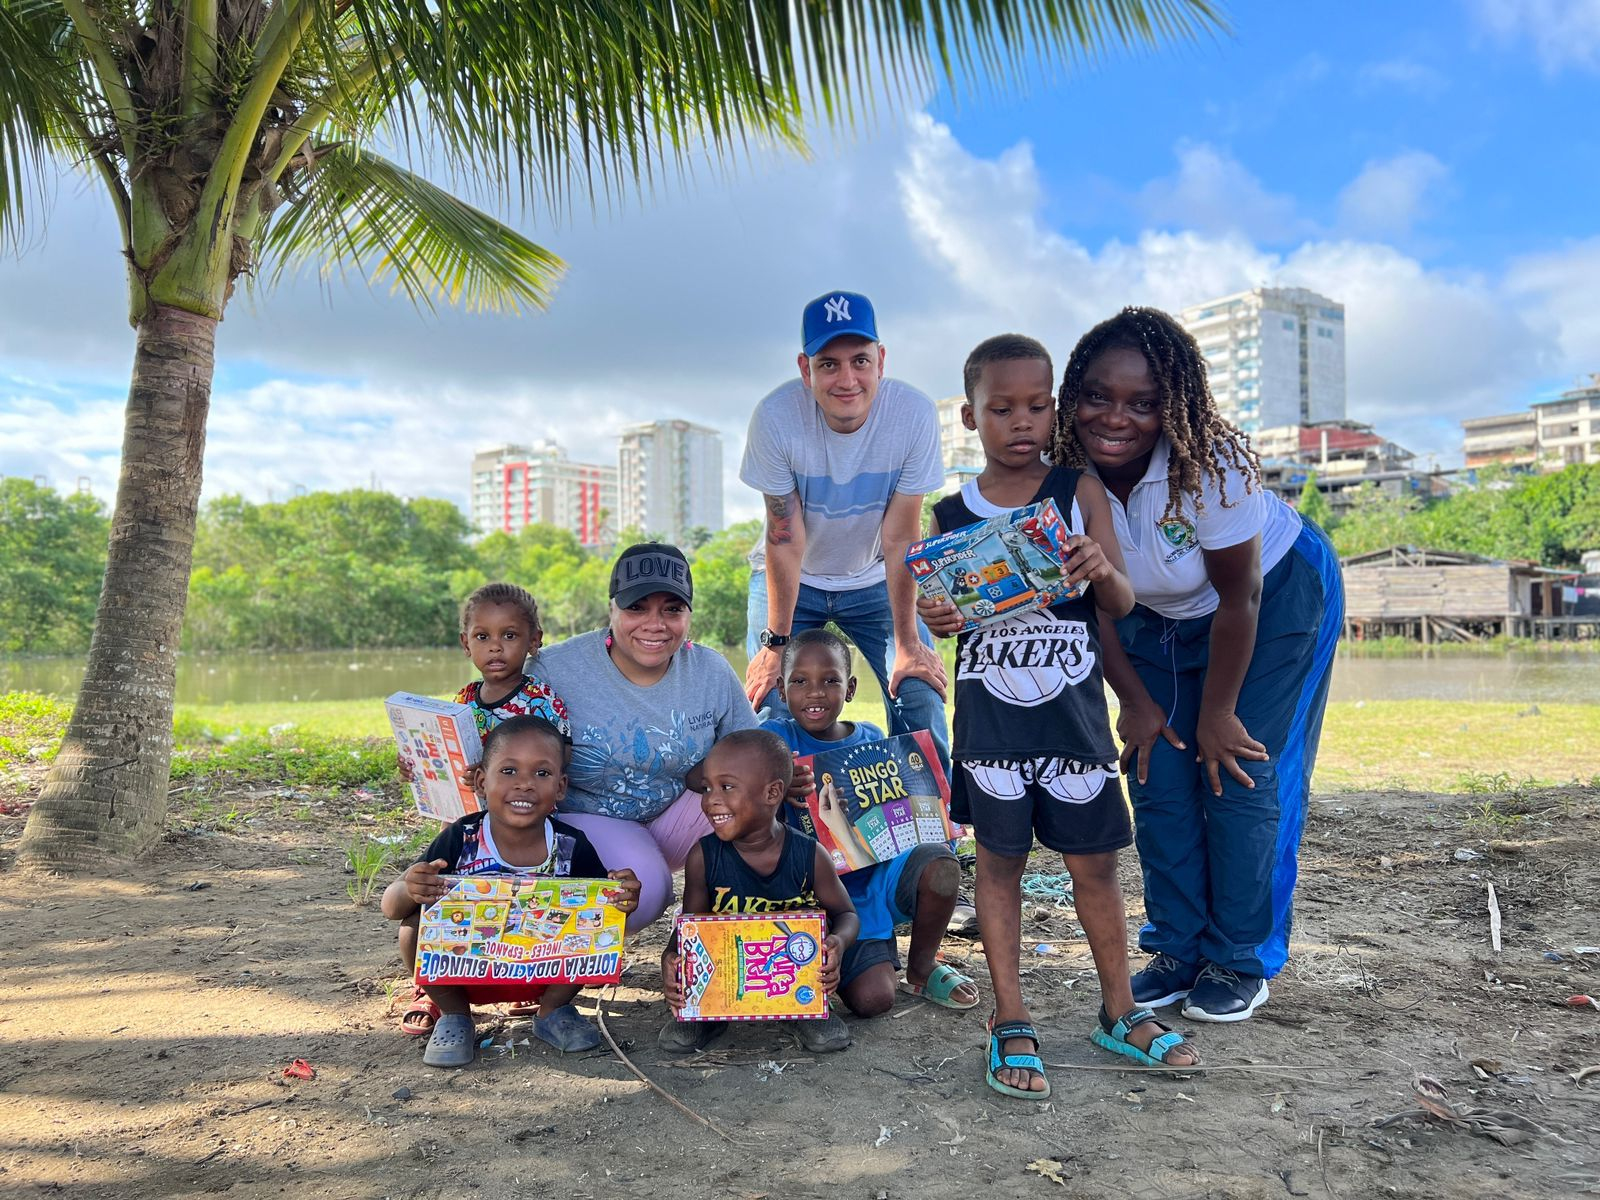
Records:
x=1008, y=564
x=740, y=967
x=440, y=742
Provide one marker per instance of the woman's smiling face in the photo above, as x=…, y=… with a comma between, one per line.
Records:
x=1118, y=421
x=645, y=636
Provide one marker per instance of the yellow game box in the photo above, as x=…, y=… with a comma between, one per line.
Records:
x=505, y=932
x=750, y=968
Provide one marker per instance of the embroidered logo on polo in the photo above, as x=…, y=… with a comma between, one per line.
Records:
x=1028, y=659
x=1178, y=533
x=838, y=309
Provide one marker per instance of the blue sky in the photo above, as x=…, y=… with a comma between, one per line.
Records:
x=1432, y=165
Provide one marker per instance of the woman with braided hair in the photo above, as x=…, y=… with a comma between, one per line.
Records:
x=1223, y=664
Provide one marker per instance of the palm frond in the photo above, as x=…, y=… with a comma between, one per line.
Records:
x=550, y=95
x=43, y=95
x=359, y=210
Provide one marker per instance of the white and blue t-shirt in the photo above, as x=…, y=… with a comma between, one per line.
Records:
x=1163, y=557
x=845, y=480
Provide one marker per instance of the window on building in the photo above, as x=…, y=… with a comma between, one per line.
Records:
x=1289, y=323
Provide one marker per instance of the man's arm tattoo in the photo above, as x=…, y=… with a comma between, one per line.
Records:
x=780, y=527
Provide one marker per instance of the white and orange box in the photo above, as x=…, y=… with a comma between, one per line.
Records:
x=440, y=740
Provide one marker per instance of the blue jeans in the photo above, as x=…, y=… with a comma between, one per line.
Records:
x=1219, y=871
x=863, y=614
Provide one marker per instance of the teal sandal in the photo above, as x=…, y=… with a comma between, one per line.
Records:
x=998, y=1036
x=943, y=980
x=1113, y=1036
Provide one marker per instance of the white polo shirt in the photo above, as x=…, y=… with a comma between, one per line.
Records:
x=1165, y=565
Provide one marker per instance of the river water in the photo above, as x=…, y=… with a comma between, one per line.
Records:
x=1523, y=677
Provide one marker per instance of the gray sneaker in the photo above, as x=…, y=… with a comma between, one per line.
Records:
x=824, y=1037
x=685, y=1037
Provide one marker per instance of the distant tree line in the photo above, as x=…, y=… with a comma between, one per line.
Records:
x=354, y=569
x=329, y=570
x=1550, y=519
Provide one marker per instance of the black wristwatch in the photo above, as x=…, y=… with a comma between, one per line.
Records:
x=772, y=641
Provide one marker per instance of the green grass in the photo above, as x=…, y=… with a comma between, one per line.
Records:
x=31, y=726
x=1440, y=746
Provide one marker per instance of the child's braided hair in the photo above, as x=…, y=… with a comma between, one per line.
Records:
x=1202, y=439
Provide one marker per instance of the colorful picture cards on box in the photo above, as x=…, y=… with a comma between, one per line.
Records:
x=520, y=929
x=440, y=741
x=876, y=800
x=1008, y=564
x=752, y=968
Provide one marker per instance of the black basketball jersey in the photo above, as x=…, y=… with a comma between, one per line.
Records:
x=735, y=888
x=1030, y=685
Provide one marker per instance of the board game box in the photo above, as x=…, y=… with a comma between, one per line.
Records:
x=752, y=968
x=441, y=742
x=498, y=934
x=1007, y=564
x=876, y=800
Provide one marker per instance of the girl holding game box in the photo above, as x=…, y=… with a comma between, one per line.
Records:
x=521, y=779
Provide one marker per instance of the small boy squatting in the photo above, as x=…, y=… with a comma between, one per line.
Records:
x=520, y=781
x=919, y=888
x=751, y=862
x=1034, y=753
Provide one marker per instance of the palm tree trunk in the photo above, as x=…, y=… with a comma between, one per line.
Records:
x=106, y=794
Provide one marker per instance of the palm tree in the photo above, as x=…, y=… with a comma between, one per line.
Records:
x=233, y=136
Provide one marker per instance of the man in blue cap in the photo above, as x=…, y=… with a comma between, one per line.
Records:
x=844, y=458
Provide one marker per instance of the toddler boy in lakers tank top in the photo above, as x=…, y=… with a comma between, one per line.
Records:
x=751, y=862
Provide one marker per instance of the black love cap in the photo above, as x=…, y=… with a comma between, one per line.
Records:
x=648, y=568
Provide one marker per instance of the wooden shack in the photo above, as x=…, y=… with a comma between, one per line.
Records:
x=1442, y=595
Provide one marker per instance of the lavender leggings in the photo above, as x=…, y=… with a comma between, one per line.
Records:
x=654, y=849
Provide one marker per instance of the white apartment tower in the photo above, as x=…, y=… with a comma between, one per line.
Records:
x=961, y=448
x=1275, y=356
x=513, y=486
x=670, y=478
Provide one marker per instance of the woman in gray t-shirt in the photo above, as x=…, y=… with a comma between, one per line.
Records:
x=646, y=705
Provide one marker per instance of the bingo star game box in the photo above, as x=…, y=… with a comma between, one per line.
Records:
x=440, y=741
x=1007, y=564
x=500, y=936
x=877, y=800
x=752, y=968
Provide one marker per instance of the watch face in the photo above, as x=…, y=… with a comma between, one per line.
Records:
x=770, y=639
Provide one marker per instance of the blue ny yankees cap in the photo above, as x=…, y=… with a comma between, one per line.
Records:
x=836, y=314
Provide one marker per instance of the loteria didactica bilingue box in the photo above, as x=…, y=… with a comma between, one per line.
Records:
x=1007, y=564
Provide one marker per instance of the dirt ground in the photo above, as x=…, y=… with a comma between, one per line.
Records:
x=147, y=1020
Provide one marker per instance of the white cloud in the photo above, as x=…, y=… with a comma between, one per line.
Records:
x=1406, y=74
x=689, y=307
x=1391, y=194
x=1564, y=33
x=1212, y=192
x=1561, y=291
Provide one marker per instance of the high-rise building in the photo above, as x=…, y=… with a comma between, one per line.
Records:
x=960, y=447
x=670, y=478
x=1275, y=356
x=513, y=486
